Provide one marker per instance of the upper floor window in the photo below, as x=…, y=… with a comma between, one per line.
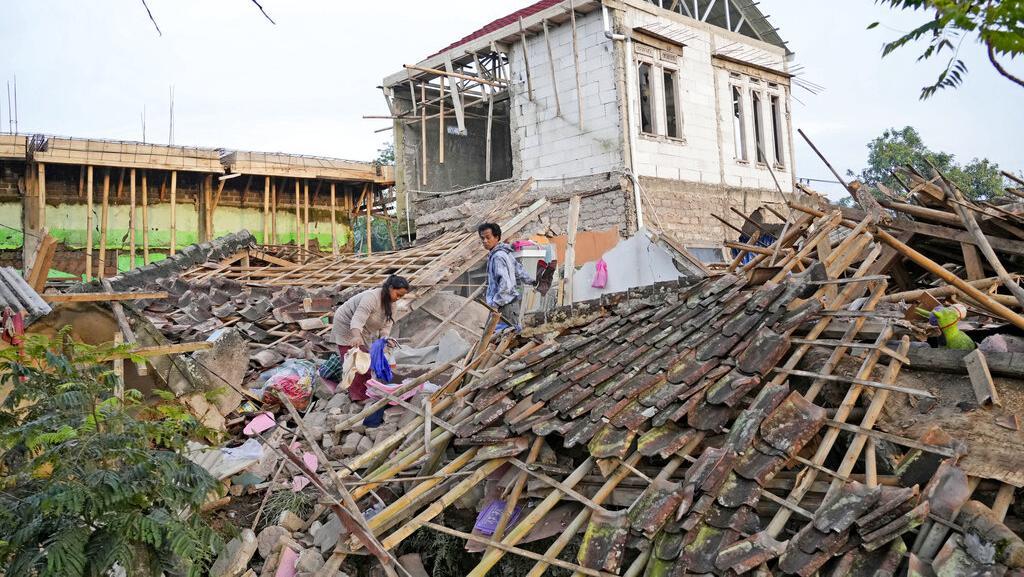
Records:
x=757, y=117
x=776, y=106
x=739, y=124
x=646, y=108
x=659, y=92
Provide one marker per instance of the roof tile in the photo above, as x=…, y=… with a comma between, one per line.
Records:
x=656, y=504
x=604, y=540
x=792, y=424
x=744, y=555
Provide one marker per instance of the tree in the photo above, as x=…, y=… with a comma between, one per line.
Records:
x=90, y=480
x=895, y=148
x=996, y=24
x=386, y=154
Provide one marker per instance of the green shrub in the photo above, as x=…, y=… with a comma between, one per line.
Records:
x=88, y=480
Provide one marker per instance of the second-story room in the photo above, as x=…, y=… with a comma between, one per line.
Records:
x=674, y=109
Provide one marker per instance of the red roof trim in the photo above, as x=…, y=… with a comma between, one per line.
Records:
x=499, y=24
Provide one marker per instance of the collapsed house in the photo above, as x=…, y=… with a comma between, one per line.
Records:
x=658, y=114
x=791, y=413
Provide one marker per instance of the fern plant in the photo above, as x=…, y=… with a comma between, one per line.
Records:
x=90, y=481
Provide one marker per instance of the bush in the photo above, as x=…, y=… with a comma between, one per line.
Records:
x=90, y=481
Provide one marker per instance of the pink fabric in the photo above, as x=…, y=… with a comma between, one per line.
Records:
x=286, y=567
x=600, y=274
x=259, y=424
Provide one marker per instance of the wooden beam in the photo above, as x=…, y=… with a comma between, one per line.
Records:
x=42, y=196
x=122, y=320
x=207, y=205
x=102, y=297
x=131, y=219
x=981, y=379
x=456, y=95
x=972, y=262
x=88, y=223
x=368, y=188
x=104, y=217
x=423, y=135
x=440, y=124
x=305, y=216
x=174, y=204
x=551, y=63
x=570, y=250
x=266, y=210
x=298, y=214
x=576, y=61
x=443, y=73
x=487, y=145
x=145, y=219
x=334, y=222
x=526, y=59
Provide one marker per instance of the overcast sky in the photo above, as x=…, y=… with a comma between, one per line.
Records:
x=302, y=86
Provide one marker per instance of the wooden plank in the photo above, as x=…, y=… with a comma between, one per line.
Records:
x=174, y=204
x=981, y=378
x=39, y=272
x=131, y=219
x=41, y=223
x=88, y=223
x=104, y=217
x=369, y=217
x=861, y=382
x=953, y=361
x=102, y=297
x=298, y=214
x=456, y=96
x=570, y=249
x=305, y=216
x=145, y=219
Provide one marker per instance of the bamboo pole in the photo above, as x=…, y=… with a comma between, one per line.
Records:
x=334, y=222
x=487, y=150
x=491, y=558
x=273, y=212
x=442, y=503
x=174, y=205
x=517, y=490
x=104, y=216
x=131, y=219
x=88, y=224
x=526, y=59
x=551, y=66
x=932, y=267
x=145, y=218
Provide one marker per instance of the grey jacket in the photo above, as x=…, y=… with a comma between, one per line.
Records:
x=360, y=320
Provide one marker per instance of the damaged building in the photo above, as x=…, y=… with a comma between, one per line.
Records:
x=658, y=113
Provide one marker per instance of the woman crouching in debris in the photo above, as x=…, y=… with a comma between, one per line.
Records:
x=363, y=319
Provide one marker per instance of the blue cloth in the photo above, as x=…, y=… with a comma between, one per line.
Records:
x=504, y=273
x=765, y=240
x=379, y=362
x=374, y=420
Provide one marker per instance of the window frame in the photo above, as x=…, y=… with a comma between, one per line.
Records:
x=757, y=121
x=668, y=72
x=775, y=110
x=651, y=76
x=739, y=122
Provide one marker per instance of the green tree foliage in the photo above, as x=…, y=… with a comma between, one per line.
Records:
x=996, y=24
x=386, y=154
x=90, y=481
x=980, y=178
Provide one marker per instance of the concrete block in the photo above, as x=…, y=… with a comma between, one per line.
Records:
x=235, y=556
x=268, y=538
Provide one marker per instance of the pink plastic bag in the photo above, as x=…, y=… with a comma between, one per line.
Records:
x=600, y=275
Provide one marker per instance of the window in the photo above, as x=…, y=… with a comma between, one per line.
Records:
x=646, y=111
x=777, y=129
x=755, y=99
x=739, y=130
x=671, y=114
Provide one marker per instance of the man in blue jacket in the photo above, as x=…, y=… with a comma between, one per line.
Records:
x=504, y=273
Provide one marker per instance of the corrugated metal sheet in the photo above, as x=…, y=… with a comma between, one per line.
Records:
x=17, y=294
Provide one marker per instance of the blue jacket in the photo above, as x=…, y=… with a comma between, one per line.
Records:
x=504, y=273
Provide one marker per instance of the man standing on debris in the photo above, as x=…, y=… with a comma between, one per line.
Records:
x=504, y=273
x=363, y=319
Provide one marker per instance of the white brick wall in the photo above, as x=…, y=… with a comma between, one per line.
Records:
x=551, y=147
x=696, y=158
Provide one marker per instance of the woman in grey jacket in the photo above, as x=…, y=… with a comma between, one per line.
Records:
x=365, y=318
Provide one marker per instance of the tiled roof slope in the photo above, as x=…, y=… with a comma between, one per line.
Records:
x=667, y=372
